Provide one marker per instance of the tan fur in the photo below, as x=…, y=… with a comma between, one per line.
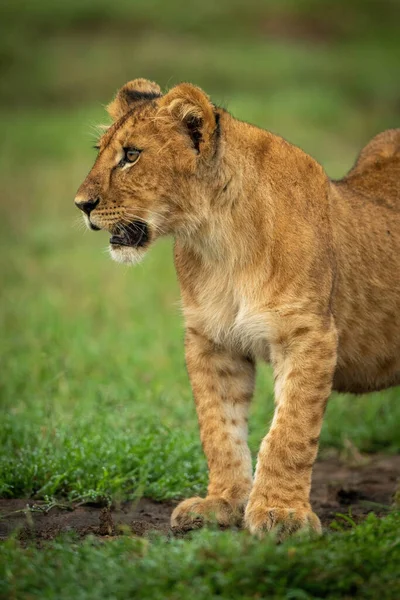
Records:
x=275, y=262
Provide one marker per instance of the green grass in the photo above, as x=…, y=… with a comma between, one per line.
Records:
x=360, y=563
x=95, y=400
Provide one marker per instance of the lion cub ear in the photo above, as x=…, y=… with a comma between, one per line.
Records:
x=132, y=92
x=192, y=108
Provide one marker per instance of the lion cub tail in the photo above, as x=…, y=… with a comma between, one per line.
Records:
x=377, y=169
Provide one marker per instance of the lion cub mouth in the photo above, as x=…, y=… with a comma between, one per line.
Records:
x=135, y=234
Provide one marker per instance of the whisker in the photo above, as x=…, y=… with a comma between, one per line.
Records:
x=129, y=213
x=154, y=225
x=134, y=227
x=127, y=209
x=79, y=223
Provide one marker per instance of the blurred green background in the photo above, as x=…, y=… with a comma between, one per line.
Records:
x=94, y=394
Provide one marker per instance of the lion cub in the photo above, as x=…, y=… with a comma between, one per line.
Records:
x=275, y=262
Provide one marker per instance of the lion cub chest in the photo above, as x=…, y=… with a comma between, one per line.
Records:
x=227, y=315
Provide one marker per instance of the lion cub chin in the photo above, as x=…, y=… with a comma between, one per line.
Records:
x=275, y=262
x=127, y=256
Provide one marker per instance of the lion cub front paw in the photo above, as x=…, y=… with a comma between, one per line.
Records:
x=283, y=522
x=195, y=512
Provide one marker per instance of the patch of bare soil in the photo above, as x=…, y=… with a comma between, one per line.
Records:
x=138, y=518
x=337, y=488
x=361, y=489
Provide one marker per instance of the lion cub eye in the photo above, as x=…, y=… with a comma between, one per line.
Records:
x=131, y=155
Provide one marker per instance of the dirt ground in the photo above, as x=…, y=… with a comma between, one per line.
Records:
x=337, y=488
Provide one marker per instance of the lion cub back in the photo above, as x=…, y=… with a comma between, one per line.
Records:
x=377, y=170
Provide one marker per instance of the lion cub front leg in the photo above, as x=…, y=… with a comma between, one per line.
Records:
x=304, y=360
x=222, y=384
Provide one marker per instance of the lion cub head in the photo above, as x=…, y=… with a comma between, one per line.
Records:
x=155, y=167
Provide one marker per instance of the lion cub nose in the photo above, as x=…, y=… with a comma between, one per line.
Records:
x=86, y=205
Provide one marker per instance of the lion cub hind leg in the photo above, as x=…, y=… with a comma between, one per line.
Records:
x=304, y=362
x=222, y=384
